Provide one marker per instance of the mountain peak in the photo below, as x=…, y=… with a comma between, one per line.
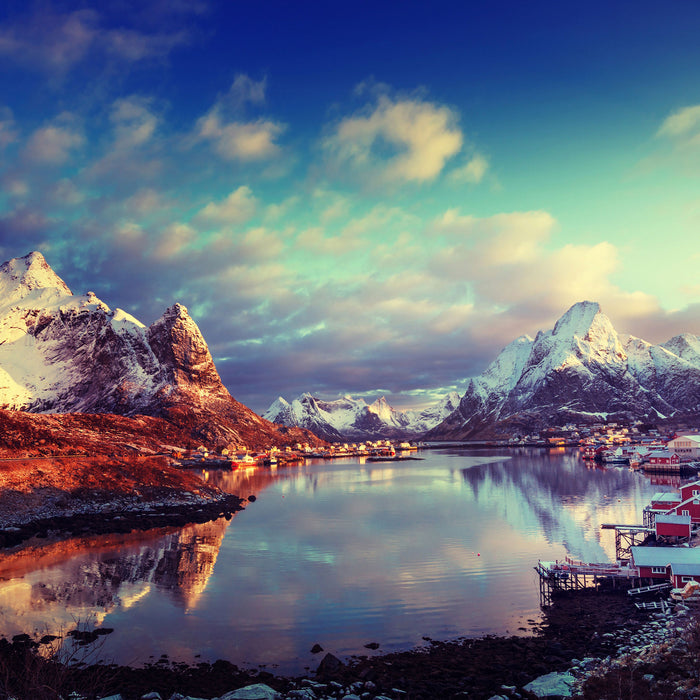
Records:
x=578, y=319
x=21, y=276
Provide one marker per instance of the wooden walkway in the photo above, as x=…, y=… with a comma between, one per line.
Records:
x=649, y=589
x=654, y=605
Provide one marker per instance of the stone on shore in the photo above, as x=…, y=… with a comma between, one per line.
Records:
x=552, y=685
x=259, y=691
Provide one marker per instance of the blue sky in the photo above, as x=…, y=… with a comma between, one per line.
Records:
x=366, y=198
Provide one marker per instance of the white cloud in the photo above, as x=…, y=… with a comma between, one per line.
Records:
x=260, y=244
x=234, y=137
x=174, y=240
x=681, y=123
x=420, y=138
x=134, y=155
x=48, y=41
x=65, y=192
x=8, y=130
x=145, y=201
x=511, y=261
x=245, y=89
x=501, y=239
x=314, y=239
x=238, y=207
x=241, y=141
x=54, y=42
x=134, y=46
x=53, y=144
x=473, y=172
x=134, y=122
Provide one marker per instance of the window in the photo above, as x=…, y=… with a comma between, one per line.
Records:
x=658, y=569
x=696, y=492
x=685, y=579
x=685, y=512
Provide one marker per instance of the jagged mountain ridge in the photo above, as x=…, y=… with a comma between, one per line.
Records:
x=580, y=370
x=348, y=418
x=66, y=353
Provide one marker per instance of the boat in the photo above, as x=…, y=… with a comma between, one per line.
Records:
x=246, y=461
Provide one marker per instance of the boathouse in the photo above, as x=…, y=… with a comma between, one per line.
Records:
x=652, y=562
x=672, y=527
x=663, y=459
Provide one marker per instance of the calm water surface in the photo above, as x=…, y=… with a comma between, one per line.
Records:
x=341, y=553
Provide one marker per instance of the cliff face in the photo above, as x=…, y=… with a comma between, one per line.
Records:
x=62, y=353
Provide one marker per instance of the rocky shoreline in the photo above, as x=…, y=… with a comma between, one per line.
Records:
x=589, y=645
x=114, y=514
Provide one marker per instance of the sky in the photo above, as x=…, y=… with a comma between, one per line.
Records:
x=367, y=198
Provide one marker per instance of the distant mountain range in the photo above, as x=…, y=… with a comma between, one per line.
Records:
x=66, y=353
x=63, y=353
x=347, y=418
x=582, y=370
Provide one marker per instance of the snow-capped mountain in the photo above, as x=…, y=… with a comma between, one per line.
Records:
x=65, y=353
x=580, y=369
x=347, y=418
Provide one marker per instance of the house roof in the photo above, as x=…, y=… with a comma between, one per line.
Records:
x=660, y=454
x=663, y=556
x=691, y=569
x=666, y=497
x=692, y=438
x=677, y=519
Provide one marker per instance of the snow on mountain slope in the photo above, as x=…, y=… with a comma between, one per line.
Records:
x=580, y=367
x=64, y=353
x=347, y=418
x=49, y=338
x=686, y=346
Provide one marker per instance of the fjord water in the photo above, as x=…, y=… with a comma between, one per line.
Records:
x=339, y=553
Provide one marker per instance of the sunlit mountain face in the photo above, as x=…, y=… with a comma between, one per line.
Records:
x=581, y=371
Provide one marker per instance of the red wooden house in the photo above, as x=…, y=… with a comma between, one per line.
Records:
x=683, y=572
x=663, y=501
x=663, y=459
x=666, y=563
x=690, y=490
x=672, y=527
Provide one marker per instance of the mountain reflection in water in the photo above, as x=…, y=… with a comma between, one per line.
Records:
x=341, y=553
x=50, y=588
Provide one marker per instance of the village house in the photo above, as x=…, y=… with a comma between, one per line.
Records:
x=675, y=564
x=663, y=459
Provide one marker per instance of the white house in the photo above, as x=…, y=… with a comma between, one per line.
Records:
x=687, y=447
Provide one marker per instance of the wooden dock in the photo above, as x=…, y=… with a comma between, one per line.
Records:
x=571, y=575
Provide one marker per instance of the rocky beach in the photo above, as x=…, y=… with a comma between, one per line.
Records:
x=590, y=645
